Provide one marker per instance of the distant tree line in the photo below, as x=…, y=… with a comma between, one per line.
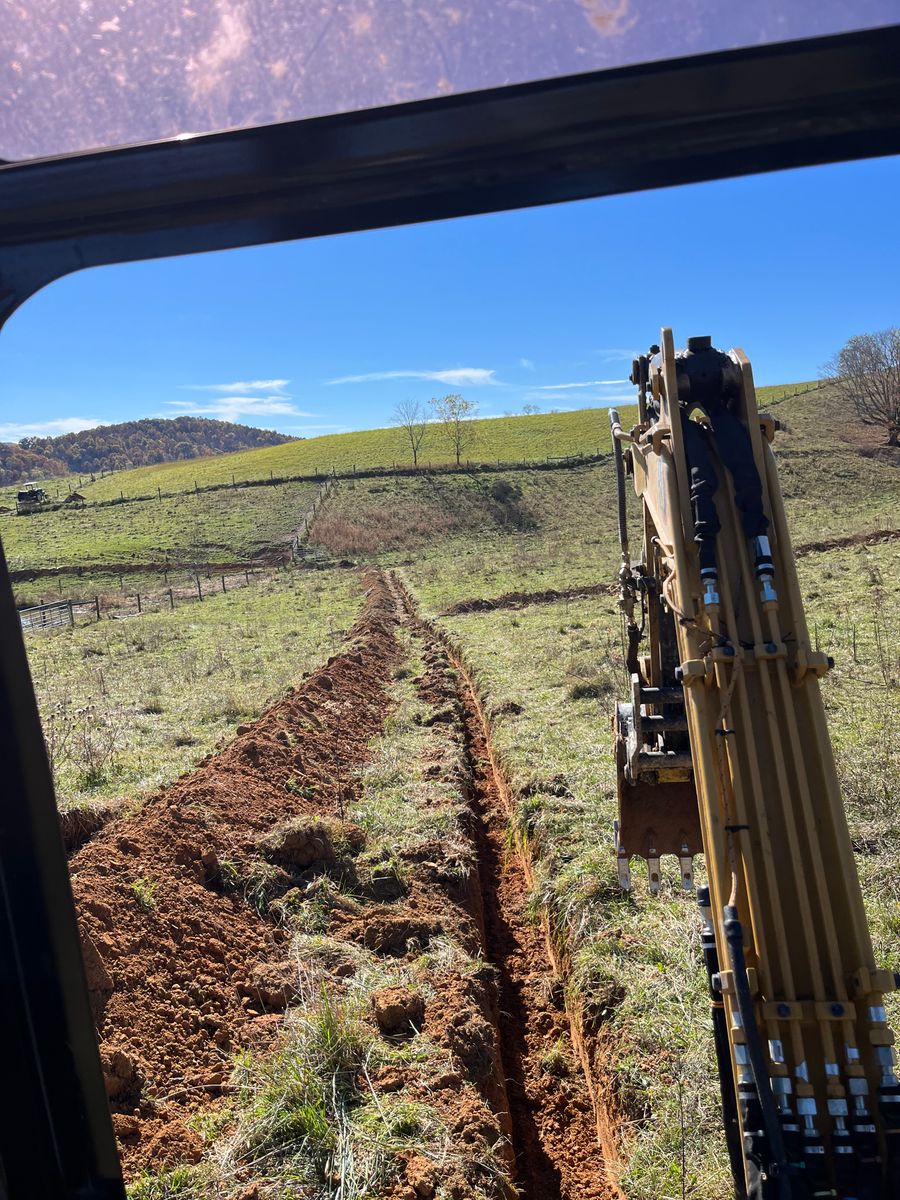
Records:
x=128, y=444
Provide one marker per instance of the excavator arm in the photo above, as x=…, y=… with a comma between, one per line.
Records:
x=723, y=747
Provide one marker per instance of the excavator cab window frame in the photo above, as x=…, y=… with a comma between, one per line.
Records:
x=654, y=125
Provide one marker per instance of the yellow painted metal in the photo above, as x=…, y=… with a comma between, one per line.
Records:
x=775, y=836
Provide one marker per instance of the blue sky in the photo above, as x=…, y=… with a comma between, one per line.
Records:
x=543, y=306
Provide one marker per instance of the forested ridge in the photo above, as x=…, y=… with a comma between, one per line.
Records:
x=128, y=444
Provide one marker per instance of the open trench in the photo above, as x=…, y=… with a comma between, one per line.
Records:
x=552, y=1120
x=183, y=973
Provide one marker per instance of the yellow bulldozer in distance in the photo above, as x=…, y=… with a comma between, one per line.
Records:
x=723, y=748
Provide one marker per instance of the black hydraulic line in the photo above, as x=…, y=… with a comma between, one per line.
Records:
x=723, y=1052
x=615, y=423
x=626, y=574
x=777, y=1165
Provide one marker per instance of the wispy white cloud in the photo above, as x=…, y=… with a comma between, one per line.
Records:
x=230, y=408
x=236, y=400
x=526, y=363
x=15, y=432
x=243, y=385
x=616, y=354
x=588, y=383
x=454, y=377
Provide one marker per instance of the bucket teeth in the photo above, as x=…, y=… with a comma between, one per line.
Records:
x=686, y=861
x=624, y=869
x=653, y=872
x=623, y=865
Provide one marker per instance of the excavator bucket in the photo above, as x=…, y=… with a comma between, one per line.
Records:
x=655, y=784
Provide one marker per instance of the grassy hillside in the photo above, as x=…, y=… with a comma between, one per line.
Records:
x=509, y=438
x=229, y=525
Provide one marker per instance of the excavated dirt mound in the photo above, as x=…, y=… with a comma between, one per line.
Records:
x=171, y=955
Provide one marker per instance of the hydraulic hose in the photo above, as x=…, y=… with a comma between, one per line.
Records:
x=723, y=1052
x=734, y=937
x=616, y=425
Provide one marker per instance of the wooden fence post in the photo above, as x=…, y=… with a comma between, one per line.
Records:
x=71, y=613
x=137, y=596
x=97, y=606
x=223, y=584
x=199, y=589
x=159, y=493
x=171, y=600
x=247, y=576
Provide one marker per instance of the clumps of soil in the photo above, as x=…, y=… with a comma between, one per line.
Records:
x=271, y=987
x=306, y=842
x=398, y=1011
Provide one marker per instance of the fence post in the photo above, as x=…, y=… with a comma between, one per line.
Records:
x=223, y=583
x=137, y=596
x=171, y=600
x=199, y=589
x=247, y=576
x=159, y=493
x=71, y=614
x=97, y=606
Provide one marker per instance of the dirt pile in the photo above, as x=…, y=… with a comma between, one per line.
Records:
x=173, y=953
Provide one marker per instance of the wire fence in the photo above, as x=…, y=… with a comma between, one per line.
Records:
x=116, y=606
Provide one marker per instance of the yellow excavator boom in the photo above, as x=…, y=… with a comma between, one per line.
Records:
x=723, y=746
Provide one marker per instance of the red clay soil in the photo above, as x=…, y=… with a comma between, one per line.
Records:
x=173, y=961
x=523, y=599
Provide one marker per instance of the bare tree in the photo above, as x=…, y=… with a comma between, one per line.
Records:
x=412, y=418
x=867, y=373
x=530, y=409
x=455, y=415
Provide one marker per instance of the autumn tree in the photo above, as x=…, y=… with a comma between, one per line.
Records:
x=412, y=418
x=866, y=372
x=455, y=418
